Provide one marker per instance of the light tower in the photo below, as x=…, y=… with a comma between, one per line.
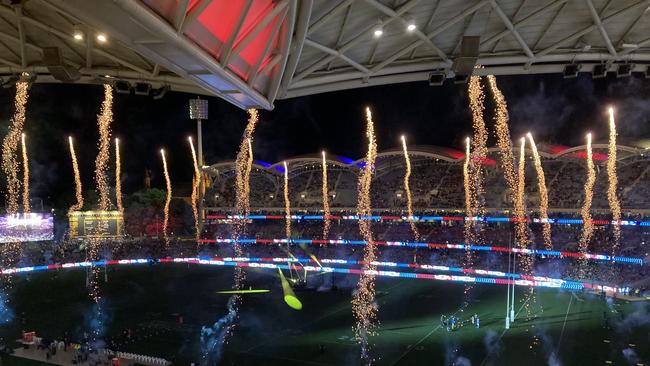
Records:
x=198, y=112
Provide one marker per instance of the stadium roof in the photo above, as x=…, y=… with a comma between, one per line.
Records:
x=436, y=153
x=252, y=52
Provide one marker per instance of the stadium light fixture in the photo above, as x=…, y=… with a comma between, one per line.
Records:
x=122, y=87
x=77, y=33
x=160, y=92
x=600, y=71
x=141, y=88
x=624, y=70
x=102, y=38
x=410, y=24
x=571, y=71
x=437, y=78
x=378, y=31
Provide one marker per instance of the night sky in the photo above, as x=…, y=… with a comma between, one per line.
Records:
x=556, y=111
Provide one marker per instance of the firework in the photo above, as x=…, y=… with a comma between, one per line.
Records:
x=588, y=225
x=77, y=178
x=473, y=173
x=543, y=194
x=469, y=202
x=364, y=306
x=195, y=189
x=478, y=141
x=521, y=181
x=10, y=147
x=326, y=203
x=101, y=162
x=25, y=175
x=247, y=174
x=168, y=197
x=242, y=163
x=507, y=162
x=407, y=189
x=503, y=137
x=612, y=178
x=287, y=203
x=242, y=191
x=118, y=175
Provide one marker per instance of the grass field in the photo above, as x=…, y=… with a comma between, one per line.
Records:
x=148, y=300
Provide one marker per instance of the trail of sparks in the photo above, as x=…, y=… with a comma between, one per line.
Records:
x=588, y=226
x=478, y=141
x=326, y=202
x=503, y=137
x=118, y=176
x=195, y=189
x=243, y=166
x=407, y=189
x=474, y=179
x=543, y=195
x=287, y=203
x=10, y=165
x=249, y=168
x=77, y=178
x=101, y=163
x=507, y=163
x=25, y=175
x=104, y=120
x=168, y=196
x=612, y=178
x=469, y=201
x=11, y=252
x=514, y=181
x=364, y=306
x=242, y=163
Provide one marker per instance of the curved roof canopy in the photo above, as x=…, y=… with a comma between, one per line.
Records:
x=386, y=157
x=252, y=52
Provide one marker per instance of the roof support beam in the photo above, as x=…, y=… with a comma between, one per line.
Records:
x=21, y=35
x=252, y=77
x=548, y=26
x=629, y=29
x=580, y=33
x=391, y=13
x=514, y=19
x=351, y=43
x=428, y=24
x=261, y=25
x=297, y=44
x=56, y=32
x=339, y=36
x=601, y=27
x=638, y=45
x=495, y=38
x=181, y=12
x=89, y=48
x=193, y=14
x=330, y=14
x=336, y=53
x=506, y=21
x=17, y=40
x=443, y=27
x=227, y=47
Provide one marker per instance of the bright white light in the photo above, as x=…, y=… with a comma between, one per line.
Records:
x=78, y=36
x=411, y=27
x=378, y=32
x=101, y=38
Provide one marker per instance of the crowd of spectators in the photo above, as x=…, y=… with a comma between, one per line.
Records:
x=437, y=183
